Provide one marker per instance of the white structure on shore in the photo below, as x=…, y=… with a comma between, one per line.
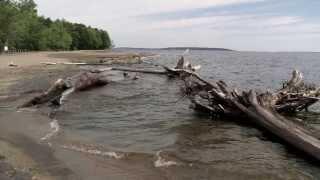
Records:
x=6, y=48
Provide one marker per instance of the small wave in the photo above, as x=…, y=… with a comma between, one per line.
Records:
x=65, y=95
x=27, y=110
x=161, y=162
x=4, y=97
x=94, y=151
x=54, y=125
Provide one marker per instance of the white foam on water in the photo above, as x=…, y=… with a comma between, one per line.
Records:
x=65, y=95
x=94, y=151
x=54, y=126
x=186, y=52
x=26, y=110
x=161, y=162
x=4, y=97
x=143, y=58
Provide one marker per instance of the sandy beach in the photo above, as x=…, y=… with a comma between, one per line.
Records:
x=37, y=58
x=27, y=59
x=22, y=153
x=140, y=129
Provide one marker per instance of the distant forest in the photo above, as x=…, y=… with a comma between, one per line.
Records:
x=22, y=28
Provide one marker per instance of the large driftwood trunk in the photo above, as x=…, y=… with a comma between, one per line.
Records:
x=89, y=80
x=263, y=109
x=218, y=99
x=266, y=117
x=82, y=82
x=54, y=92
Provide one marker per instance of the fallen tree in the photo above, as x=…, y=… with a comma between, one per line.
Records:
x=218, y=99
x=171, y=72
x=81, y=82
x=263, y=109
x=294, y=96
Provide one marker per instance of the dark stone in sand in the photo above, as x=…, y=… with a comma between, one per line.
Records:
x=4, y=177
x=5, y=167
x=7, y=172
x=22, y=176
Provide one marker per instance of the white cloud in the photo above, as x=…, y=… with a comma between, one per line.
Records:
x=125, y=7
x=175, y=5
x=247, y=21
x=282, y=20
x=122, y=18
x=192, y=22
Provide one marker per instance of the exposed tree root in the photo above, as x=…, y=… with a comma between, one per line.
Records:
x=263, y=109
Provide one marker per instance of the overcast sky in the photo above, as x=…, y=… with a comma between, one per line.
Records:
x=254, y=25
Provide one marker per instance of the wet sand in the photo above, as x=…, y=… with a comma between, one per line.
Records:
x=24, y=156
x=23, y=153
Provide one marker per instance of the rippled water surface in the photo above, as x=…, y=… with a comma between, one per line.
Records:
x=149, y=121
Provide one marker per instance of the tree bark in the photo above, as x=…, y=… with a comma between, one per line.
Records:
x=84, y=81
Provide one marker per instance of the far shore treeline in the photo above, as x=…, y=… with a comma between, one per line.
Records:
x=22, y=28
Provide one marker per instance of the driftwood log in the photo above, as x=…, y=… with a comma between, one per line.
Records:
x=294, y=96
x=54, y=92
x=82, y=82
x=263, y=109
x=266, y=110
x=89, y=80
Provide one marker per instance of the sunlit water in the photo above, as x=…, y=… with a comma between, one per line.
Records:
x=146, y=121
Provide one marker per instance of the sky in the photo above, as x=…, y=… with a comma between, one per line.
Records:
x=248, y=25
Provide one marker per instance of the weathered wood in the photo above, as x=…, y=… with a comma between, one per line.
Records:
x=89, y=80
x=289, y=131
x=180, y=63
x=263, y=109
x=52, y=93
x=218, y=99
x=139, y=70
x=82, y=82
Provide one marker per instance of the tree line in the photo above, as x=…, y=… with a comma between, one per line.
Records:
x=22, y=28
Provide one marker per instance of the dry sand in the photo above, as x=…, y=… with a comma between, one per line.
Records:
x=36, y=58
x=28, y=59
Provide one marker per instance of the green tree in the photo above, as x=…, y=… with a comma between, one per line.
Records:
x=22, y=28
x=27, y=6
x=8, y=11
x=25, y=32
x=55, y=38
x=106, y=41
x=27, y=25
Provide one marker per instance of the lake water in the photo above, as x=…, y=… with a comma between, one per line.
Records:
x=143, y=129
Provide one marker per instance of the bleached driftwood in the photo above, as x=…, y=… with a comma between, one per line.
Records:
x=82, y=82
x=219, y=99
x=263, y=109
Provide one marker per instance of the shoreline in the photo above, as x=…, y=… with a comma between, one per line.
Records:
x=91, y=56
x=17, y=159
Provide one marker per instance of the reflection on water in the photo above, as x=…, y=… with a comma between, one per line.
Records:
x=143, y=117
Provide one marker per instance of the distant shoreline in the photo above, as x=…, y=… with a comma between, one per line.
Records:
x=197, y=48
x=210, y=49
x=179, y=48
